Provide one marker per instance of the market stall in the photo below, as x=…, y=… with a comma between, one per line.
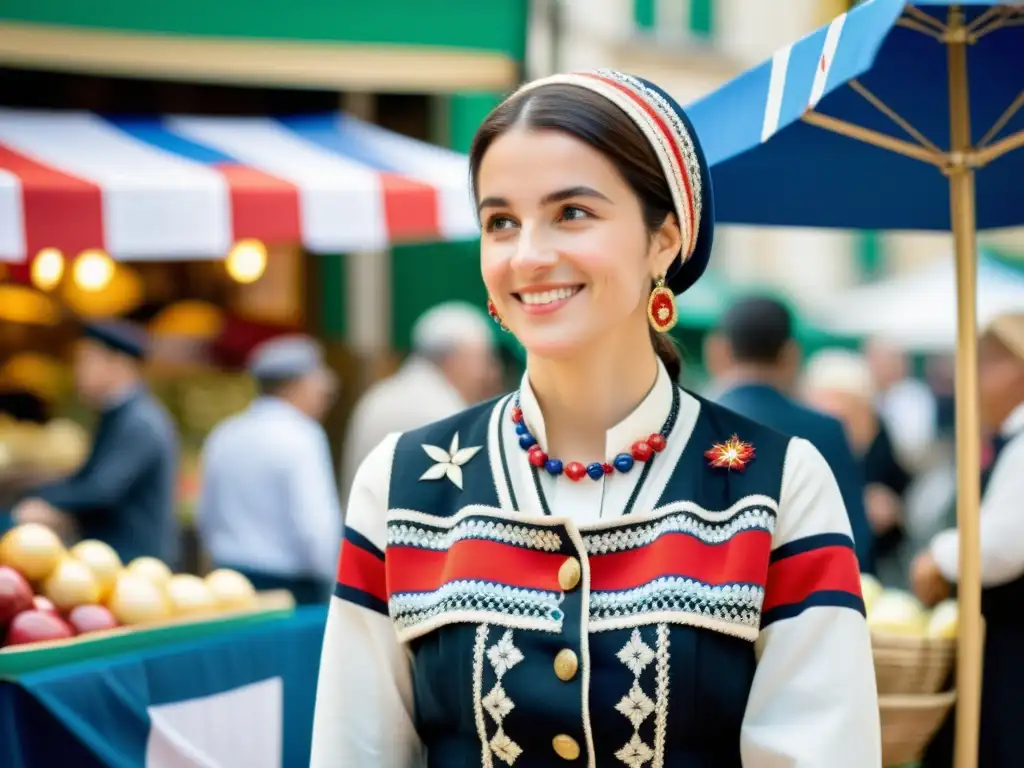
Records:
x=207, y=230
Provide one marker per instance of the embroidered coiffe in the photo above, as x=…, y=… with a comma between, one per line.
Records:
x=720, y=624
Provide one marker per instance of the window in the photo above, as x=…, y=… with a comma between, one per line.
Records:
x=674, y=19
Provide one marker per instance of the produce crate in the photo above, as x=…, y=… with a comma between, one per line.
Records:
x=22, y=659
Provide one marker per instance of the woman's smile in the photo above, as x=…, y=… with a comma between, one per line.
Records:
x=543, y=300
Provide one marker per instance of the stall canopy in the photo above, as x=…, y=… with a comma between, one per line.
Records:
x=189, y=187
x=918, y=309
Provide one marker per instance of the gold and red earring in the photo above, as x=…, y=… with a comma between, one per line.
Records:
x=661, y=308
x=493, y=312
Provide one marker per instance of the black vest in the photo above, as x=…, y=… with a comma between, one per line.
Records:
x=1002, y=605
x=646, y=651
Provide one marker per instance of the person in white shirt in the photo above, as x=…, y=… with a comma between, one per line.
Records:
x=268, y=504
x=1001, y=389
x=452, y=365
x=600, y=568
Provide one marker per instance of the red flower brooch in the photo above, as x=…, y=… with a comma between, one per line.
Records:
x=732, y=454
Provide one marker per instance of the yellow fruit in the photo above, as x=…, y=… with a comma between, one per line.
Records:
x=32, y=550
x=71, y=583
x=151, y=569
x=188, y=595
x=898, y=613
x=870, y=588
x=102, y=560
x=137, y=600
x=944, y=620
x=231, y=590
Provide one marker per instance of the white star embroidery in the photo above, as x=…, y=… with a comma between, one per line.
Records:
x=450, y=462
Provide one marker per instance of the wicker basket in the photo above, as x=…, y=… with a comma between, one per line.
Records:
x=911, y=665
x=909, y=723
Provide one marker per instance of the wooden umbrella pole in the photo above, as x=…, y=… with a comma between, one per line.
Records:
x=968, y=432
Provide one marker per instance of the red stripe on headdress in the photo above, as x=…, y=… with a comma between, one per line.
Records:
x=660, y=124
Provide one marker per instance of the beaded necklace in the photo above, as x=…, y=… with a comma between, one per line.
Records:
x=642, y=451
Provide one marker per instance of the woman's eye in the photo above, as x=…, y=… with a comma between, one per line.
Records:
x=572, y=213
x=496, y=223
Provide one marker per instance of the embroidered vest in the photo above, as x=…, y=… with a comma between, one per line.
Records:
x=536, y=642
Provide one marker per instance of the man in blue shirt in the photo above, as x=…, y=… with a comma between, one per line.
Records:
x=269, y=504
x=756, y=361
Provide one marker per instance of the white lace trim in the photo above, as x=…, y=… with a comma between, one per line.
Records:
x=403, y=533
x=707, y=531
x=488, y=602
x=738, y=604
x=478, y=686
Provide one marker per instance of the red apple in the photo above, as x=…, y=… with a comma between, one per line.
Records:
x=15, y=594
x=43, y=604
x=91, y=618
x=36, y=626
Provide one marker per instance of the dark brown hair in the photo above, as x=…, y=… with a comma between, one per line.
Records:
x=597, y=122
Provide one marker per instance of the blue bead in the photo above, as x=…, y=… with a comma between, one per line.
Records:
x=521, y=429
x=553, y=466
x=623, y=462
x=595, y=470
x=526, y=440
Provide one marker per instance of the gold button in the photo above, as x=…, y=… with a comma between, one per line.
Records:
x=566, y=665
x=566, y=747
x=569, y=574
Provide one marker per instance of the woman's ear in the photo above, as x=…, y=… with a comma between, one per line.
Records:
x=665, y=245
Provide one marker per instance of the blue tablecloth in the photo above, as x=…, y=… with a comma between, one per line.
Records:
x=106, y=713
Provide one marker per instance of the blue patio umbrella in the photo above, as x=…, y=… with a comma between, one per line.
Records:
x=896, y=115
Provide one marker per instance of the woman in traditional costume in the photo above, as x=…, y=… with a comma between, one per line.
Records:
x=600, y=568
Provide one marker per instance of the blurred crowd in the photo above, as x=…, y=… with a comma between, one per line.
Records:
x=272, y=499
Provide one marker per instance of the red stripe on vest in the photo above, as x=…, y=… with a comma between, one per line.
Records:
x=795, y=578
x=410, y=569
x=743, y=559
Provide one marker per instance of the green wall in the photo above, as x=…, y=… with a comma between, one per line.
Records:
x=497, y=25
x=425, y=275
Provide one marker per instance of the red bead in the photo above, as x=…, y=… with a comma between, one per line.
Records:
x=517, y=415
x=657, y=442
x=575, y=471
x=536, y=456
x=641, y=450
x=608, y=468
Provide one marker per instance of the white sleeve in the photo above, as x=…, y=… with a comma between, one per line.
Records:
x=364, y=701
x=813, y=701
x=1001, y=523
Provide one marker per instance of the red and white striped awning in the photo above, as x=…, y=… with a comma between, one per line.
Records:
x=189, y=187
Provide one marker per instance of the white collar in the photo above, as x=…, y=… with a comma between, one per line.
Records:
x=647, y=418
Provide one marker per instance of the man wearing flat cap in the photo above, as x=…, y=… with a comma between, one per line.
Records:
x=1001, y=389
x=269, y=504
x=124, y=493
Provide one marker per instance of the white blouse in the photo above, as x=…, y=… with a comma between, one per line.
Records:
x=813, y=702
